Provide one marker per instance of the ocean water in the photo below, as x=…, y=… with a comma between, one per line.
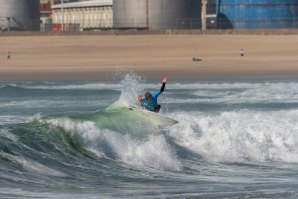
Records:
x=77, y=139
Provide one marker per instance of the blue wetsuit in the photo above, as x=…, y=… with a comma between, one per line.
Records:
x=151, y=104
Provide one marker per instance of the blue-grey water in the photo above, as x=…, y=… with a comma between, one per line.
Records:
x=234, y=139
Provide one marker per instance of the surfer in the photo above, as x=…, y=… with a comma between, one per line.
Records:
x=150, y=100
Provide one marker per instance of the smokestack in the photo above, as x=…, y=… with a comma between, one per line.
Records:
x=204, y=13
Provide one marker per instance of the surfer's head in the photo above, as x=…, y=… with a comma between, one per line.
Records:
x=148, y=95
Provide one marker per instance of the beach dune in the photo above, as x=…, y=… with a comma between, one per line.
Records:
x=95, y=56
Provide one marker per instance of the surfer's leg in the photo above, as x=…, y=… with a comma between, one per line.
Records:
x=157, y=108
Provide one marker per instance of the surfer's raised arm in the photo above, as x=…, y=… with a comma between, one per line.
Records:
x=164, y=81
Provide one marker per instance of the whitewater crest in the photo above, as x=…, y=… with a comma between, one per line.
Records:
x=240, y=136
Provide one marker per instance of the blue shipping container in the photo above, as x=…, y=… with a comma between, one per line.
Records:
x=257, y=14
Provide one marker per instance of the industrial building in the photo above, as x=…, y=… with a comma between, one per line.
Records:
x=75, y=15
x=257, y=14
x=157, y=14
x=19, y=15
x=93, y=14
x=45, y=9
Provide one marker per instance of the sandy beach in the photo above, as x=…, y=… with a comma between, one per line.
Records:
x=38, y=57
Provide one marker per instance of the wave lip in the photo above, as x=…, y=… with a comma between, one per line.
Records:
x=149, y=151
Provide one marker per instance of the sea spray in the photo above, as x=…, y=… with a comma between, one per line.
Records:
x=131, y=88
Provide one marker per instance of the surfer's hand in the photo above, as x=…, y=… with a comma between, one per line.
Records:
x=165, y=79
x=140, y=97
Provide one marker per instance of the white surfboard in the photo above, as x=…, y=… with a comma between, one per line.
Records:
x=156, y=118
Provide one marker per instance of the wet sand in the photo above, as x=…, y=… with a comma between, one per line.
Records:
x=64, y=57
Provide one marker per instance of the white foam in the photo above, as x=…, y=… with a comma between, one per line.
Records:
x=153, y=152
x=240, y=136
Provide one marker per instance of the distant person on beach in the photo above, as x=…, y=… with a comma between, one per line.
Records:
x=242, y=53
x=8, y=55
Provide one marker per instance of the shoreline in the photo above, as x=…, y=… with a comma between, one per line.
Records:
x=94, y=56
